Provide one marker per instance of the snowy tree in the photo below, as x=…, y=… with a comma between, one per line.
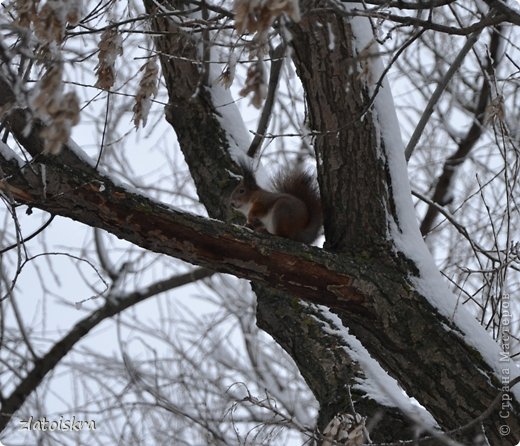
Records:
x=379, y=346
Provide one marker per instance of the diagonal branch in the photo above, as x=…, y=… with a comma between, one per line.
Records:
x=445, y=181
x=476, y=27
x=510, y=14
x=96, y=201
x=441, y=86
x=277, y=58
x=113, y=306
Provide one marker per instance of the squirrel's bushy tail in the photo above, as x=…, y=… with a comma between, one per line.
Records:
x=302, y=185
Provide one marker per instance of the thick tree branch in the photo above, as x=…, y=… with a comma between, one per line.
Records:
x=96, y=201
x=511, y=14
x=352, y=178
x=354, y=182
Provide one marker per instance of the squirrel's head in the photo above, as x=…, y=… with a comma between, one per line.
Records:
x=241, y=195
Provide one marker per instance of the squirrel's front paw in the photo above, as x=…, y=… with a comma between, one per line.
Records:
x=256, y=226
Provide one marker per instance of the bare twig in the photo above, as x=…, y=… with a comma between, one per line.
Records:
x=113, y=306
x=441, y=86
x=277, y=58
x=468, y=142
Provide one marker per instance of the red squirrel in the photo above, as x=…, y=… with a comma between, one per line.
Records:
x=292, y=210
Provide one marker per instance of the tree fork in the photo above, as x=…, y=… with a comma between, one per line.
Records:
x=206, y=150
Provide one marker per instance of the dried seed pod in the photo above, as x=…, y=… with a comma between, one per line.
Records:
x=147, y=89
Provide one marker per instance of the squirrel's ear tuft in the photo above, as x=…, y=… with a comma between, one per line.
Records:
x=248, y=174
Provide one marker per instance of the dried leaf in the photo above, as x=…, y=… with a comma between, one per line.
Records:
x=60, y=112
x=73, y=14
x=228, y=74
x=346, y=430
x=26, y=12
x=255, y=83
x=258, y=15
x=49, y=23
x=58, y=128
x=110, y=46
x=495, y=110
x=48, y=90
x=147, y=89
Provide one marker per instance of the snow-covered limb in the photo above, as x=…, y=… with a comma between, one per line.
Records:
x=377, y=383
x=228, y=115
x=10, y=155
x=404, y=230
x=367, y=204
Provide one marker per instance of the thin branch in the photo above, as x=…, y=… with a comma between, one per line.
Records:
x=475, y=28
x=30, y=237
x=103, y=135
x=441, y=86
x=405, y=5
x=113, y=306
x=467, y=143
x=458, y=226
x=277, y=58
x=94, y=200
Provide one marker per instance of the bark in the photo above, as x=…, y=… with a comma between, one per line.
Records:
x=190, y=105
x=97, y=202
x=352, y=175
x=326, y=365
x=356, y=194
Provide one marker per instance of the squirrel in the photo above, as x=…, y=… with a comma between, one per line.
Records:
x=291, y=210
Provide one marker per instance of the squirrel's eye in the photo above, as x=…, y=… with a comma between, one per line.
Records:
x=241, y=190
